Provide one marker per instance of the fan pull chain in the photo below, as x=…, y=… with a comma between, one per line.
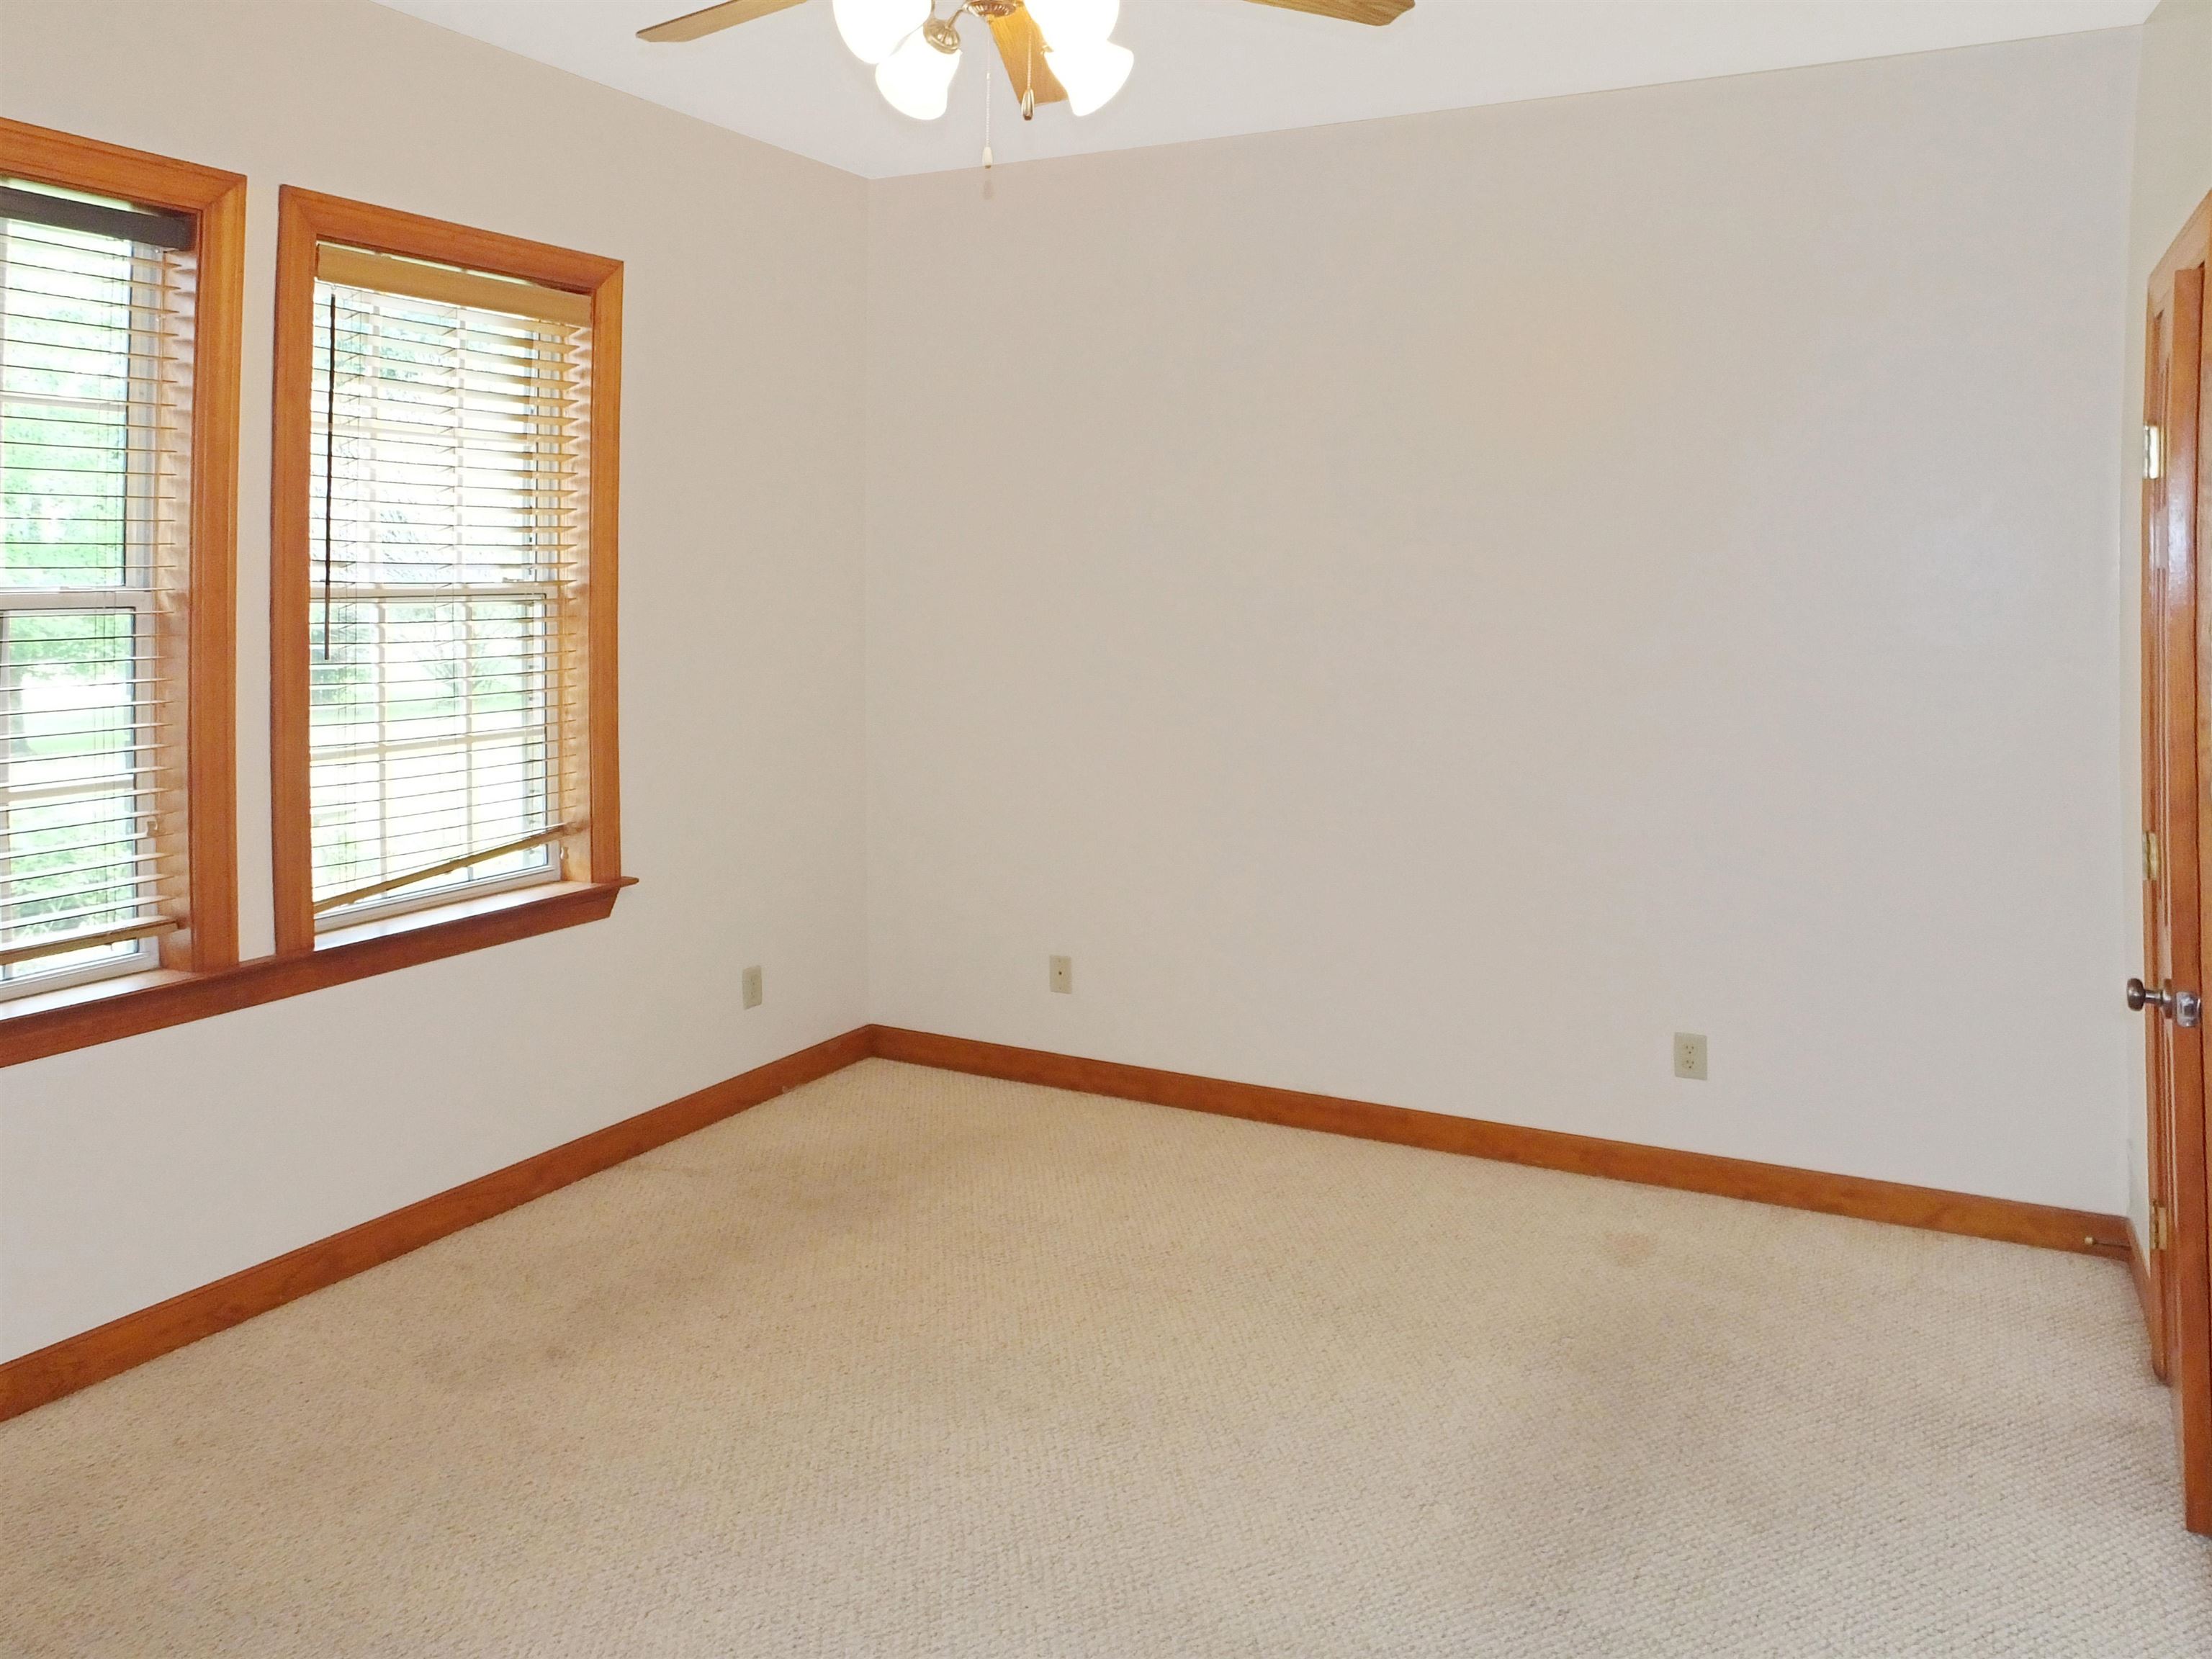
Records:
x=986, y=78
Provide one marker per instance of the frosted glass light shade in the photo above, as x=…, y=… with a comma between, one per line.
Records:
x=1092, y=73
x=917, y=78
x=873, y=28
x=1067, y=25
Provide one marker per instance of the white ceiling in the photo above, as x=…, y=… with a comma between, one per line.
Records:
x=1206, y=68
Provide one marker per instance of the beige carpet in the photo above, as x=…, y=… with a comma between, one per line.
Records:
x=912, y=1363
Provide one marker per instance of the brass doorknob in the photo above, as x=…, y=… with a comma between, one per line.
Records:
x=2184, y=1008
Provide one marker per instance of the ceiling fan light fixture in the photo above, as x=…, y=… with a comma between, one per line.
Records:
x=1092, y=73
x=873, y=29
x=916, y=80
x=1068, y=24
x=916, y=53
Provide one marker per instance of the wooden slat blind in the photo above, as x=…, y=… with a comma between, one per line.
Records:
x=447, y=541
x=96, y=353
x=385, y=273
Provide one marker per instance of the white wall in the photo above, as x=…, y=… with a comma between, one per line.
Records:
x=1421, y=609
x=2172, y=173
x=1424, y=610
x=133, y=1171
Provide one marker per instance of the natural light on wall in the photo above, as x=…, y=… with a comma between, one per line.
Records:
x=916, y=55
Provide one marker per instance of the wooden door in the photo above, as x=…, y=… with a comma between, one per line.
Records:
x=2177, y=718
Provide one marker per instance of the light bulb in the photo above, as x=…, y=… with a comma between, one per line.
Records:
x=1068, y=24
x=873, y=28
x=917, y=78
x=1092, y=73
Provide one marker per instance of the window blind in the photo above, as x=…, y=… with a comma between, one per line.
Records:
x=95, y=469
x=449, y=520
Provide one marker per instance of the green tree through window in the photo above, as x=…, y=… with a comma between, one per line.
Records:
x=78, y=738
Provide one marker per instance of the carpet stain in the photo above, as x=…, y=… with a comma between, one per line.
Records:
x=1630, y=1250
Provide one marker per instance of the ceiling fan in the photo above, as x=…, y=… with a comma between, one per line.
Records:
x=1055, y=51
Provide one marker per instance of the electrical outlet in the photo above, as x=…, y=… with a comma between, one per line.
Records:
x=752, y=982
x=1690, y=1054
x=1061, y=976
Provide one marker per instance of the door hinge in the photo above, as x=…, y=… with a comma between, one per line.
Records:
x=2150, y=855
x=2153, y=452
x=2161, y=1229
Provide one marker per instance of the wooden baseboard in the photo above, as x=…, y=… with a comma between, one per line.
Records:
x=79, y=1361
x=2013, y=1222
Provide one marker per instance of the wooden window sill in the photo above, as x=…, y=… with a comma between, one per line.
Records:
x=34, y=1027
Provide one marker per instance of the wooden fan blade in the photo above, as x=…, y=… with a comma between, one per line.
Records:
x=1021, y=49
x=1377, y=12
x=727, y=16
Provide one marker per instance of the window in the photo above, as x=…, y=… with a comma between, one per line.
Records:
x=118, y=407
x=442, y=509
x=444, y=584
x=449, y=443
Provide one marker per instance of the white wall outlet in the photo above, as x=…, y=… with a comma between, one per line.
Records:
x=1690, y=1054
x=751, y=981
x=1061, y=976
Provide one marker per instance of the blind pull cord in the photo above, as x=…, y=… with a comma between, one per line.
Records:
x=329, y=479
x=48, y=947
x=481, y=855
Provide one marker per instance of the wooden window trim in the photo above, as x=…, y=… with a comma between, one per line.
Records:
x=306, y=219
x=216, y=983
x=34, y=1027
x=216, y=201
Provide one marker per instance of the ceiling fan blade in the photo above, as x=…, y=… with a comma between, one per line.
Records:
x=727, y=16
x=1021, y=49
x=1377, y=12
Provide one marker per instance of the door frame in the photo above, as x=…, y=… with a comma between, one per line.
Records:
x=2177, y=596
